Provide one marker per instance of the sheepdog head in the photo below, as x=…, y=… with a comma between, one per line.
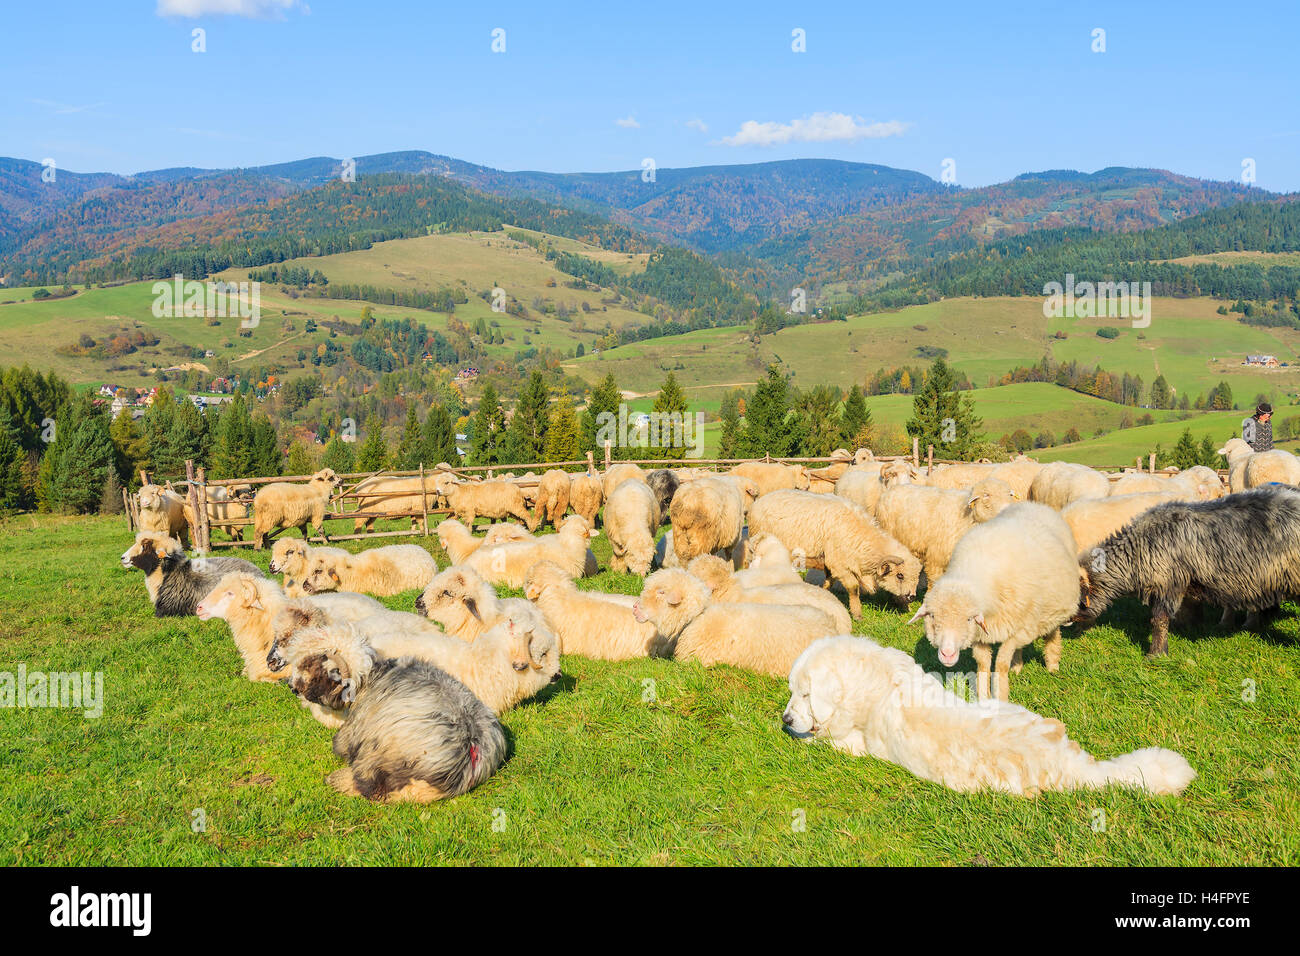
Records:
x=150, y=550
x=543, y=575
x=817, y=689
x=710, y=569
x=954, y=619
x=670, y=599
x=988, y=497
x=899, y=574
x=453, y=593
x=1089, y=609
x=664, y=483
x=287, y=553
x=288, y=621
x=321, y=577
x=236, y=591
x=329, y=663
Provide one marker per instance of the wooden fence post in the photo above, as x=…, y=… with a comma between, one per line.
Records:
x=205, y=526
x=1152, y=467
x=192, y=496
x=144, y=477
x=929, y=459
x=126, y=506
x=916, y=452
x=591, y=463
x=608, y=458
x=424, y=500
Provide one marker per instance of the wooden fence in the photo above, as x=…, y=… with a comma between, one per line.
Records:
x=197, y=489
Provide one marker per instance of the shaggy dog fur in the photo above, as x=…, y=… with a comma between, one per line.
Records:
x=176, y=584
x=1241, y=552
x=871, y=700
x=664, y=483
x=282, y=504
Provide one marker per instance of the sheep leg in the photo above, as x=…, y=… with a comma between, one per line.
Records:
x=1052, y=646
x=1229, y=617
x=1159, y=634
x=850, y=585
x=983, y=654
x=1002, y=668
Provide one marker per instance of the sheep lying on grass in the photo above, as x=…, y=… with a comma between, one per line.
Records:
x=552, y=497
x=281, y=504
x=773, y=476
x=175, y=583
x=487, y=499
x=764, y=638
x=728, y=588
x=508, y=563
x=466, y=605
x=1061, y=482
x=586, y=496
x=1010, y=581
x=292, y=557
x=631, y=519
x=869, y=700
x=1248, y=468
x=249, y=603
x=162, y=511
x=1093, y=520
x=856, y=552
x=769, y=562
x=459, y=544
x=380, y=571
x=591, y=623
x=1241, y=552
x=708, y=515
x=930, y=521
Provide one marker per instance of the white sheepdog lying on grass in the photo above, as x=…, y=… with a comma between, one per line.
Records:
x=868, y=699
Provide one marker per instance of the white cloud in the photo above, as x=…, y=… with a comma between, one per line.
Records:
x=65, y=107
x=628, y=122
x=253, y=9
x=697, y=124
x=817, y=128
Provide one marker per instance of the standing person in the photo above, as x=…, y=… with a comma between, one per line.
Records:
x=1258, y=430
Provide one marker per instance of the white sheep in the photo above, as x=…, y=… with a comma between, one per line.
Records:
x=486, y=499
x=855, y=550
x=282, y=504
x=1248, y=468
x=631, y=519
x=1197, y=483
x=615, y=475
x=1093, y=520
x=861, y=486
x=708, y=515
x=508, y=563
x=552, y=497
x=459, y=544
x=764, y=638
x=773, y=476
x=930, y=521
x=1061, y=482
x=586, y=495
x=292, y=557
x=380, y=571
x=728, y=587
x=1011, y=580
x=394, y=493
x=162, y=510
x=591, y=623
x=466, y=605
x=224, y=513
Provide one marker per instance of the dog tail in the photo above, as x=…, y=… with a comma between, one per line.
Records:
x=1153, y=769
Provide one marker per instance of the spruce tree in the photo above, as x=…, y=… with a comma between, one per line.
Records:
x=110, y=502
x=266, y=458
x=527, y=437
x=78, y=461
x=605, y=400
x=438, y=438
x=1186, y=453
x=855, y=421
x=944, y=418
x=338, y=455
x=488, y=441
x=373, y=454
x=12, y=459
x=562, y=432
x=820, y=423
x=232, y=449
x=670, y=404
x=409, y=447
x=300, y=460
x=766, y=429
x=729, y=415
x=131, y=446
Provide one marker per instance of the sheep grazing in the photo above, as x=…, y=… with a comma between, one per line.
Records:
x=391, y=493
x=1248, y=468
x=1061, y=482
x=1010, y=581
x=930, y=521
x=586, y=496
x=631, y=519
x=380, y=571
x=292, y=557
x=664, y=483
x=415, y=734
x=727, y=587
x=773, y=476
x=591, y=623
x=175, y=583
x=459, y=544
x=708, y=515
x=1241, y=552
x=162, y=510
x=249, y=603
x=764, y=638
x=225, y=513
x=488, y=499
x=281, y=504
x=855, y=550
x=1093, y=520
x=508, y=563
x=552, y=497
x=862, y=487
x=616, y=475
x=466, y=605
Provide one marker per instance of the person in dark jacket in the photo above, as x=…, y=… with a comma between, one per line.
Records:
x=1258, y=429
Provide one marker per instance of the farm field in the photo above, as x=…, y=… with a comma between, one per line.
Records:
x=648, y=762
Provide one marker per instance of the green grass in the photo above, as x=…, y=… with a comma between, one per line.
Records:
x=702, y=774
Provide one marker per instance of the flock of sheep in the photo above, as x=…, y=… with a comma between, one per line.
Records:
x=750, y=574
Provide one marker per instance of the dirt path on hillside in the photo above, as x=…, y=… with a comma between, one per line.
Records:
x=273, y=345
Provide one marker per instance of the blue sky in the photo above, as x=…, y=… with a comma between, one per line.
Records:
x=1194, y=87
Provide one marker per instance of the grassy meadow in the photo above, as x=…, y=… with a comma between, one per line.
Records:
x=640, y=763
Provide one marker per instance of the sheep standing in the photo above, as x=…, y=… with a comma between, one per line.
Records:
x=281, y=504
x=487, y=499
x=1061, y=482
x=930, y=521
x=1093, y=520
x=764, y=638
x=394, y=493
x=591, y=623
x=1197, y=483
x=379, y=571
x=586, y=495
x=459, y=544
x=162, y=510
x=708, y=515
x=1248, y=468
x=1241, y=552
x=862, y=487
x=175, y=583
x=616, y=475
x=631, y=519
x=552, y=497
x=1010, y=581
x=855, y=550
x=773, y=476
x=224, y=513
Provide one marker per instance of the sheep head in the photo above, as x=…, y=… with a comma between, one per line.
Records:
x=954, y=619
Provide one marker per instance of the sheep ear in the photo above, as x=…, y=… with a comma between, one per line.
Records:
x=673, y=597
x=824, y=693
x=251, y=597
x=891, y=562
x=920, y=613
x=979, y=619
x=472, y=606
x=334, y=576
